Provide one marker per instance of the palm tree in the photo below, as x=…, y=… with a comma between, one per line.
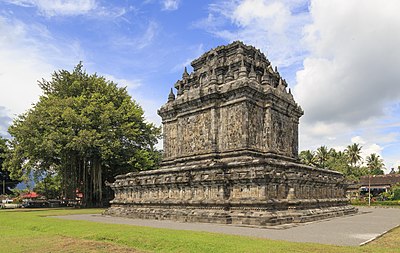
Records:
x=322, y=156
x=307, y=157
x=333, y=153
x=353, y=153
x=375, y=164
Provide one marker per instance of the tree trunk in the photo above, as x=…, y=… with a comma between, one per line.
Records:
x=97, y=182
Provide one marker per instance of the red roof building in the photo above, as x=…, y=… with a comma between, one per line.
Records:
x=30, y=195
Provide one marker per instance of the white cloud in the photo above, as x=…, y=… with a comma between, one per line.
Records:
x=28, y=53
x=58, y=7
x=368, y=147
x=349, y=84
x=314, y=135
x=89, y=8
x=352, y=70
x=130, y=84
x=358, y=139
x=170, y=5
x=112, y=11
x=371, y=149
x=273, y=26
x=21, y=65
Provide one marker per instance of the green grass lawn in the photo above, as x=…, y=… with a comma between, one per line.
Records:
x=26, y=230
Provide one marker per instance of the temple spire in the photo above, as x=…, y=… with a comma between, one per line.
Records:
x=265, y=77
x=242, y=69
x=229, y=74
x=253, y=74
x=185, y=73
x=171, y=96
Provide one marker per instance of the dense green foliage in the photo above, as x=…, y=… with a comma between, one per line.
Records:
x=5, y=180
x=49, y=186
x=84, y=129
x=393, y=194
x=375, y=164
x=353, y=153
x=30, y=231
x=347, y=162
x=385, y=203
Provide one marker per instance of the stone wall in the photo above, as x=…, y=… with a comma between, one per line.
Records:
x=229, y=119
x=266, y=192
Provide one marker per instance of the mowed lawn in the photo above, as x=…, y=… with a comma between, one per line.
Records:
x=25, y=230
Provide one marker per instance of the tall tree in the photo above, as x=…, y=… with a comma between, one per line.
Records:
x=49, y=186
x=338, y=161
x=322, y=156
x=307, y=157
x=5, y=180
x=353, y=152
x=84, y=129
x=375, y=164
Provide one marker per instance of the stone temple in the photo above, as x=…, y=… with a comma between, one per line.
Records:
x=231, y=151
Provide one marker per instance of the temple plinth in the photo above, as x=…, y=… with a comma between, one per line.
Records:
x=230, y=151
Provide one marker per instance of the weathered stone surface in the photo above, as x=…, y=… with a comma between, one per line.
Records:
x=230, y=151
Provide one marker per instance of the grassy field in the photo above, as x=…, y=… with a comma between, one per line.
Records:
x=26, y=230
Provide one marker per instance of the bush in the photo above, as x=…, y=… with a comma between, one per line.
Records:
x=364, y=202
x=396, y=193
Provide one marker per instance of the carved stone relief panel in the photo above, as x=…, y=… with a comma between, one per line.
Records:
x=170, y=139
x=256, y=126
x=195, y=133
x=232, y=128
x=283, y=130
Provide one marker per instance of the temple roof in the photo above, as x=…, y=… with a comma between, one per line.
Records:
x=228, y=63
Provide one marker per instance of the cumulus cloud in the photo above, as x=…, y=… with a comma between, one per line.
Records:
x=28, y=53
x=58, y=7
x=368, y=146
x=351, y=72
x=273, y=26
x=349, y=84
x=21, y=65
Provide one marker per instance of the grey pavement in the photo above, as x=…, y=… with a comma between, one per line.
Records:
x=347, y=230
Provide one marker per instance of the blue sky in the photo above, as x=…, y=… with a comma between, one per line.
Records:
x=339, y=57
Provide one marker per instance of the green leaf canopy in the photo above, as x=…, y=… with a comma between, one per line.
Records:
x=87, y=130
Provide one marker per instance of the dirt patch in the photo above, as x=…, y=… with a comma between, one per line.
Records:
x=74, y=245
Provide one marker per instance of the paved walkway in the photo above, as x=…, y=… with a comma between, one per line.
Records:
x=349, y=230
